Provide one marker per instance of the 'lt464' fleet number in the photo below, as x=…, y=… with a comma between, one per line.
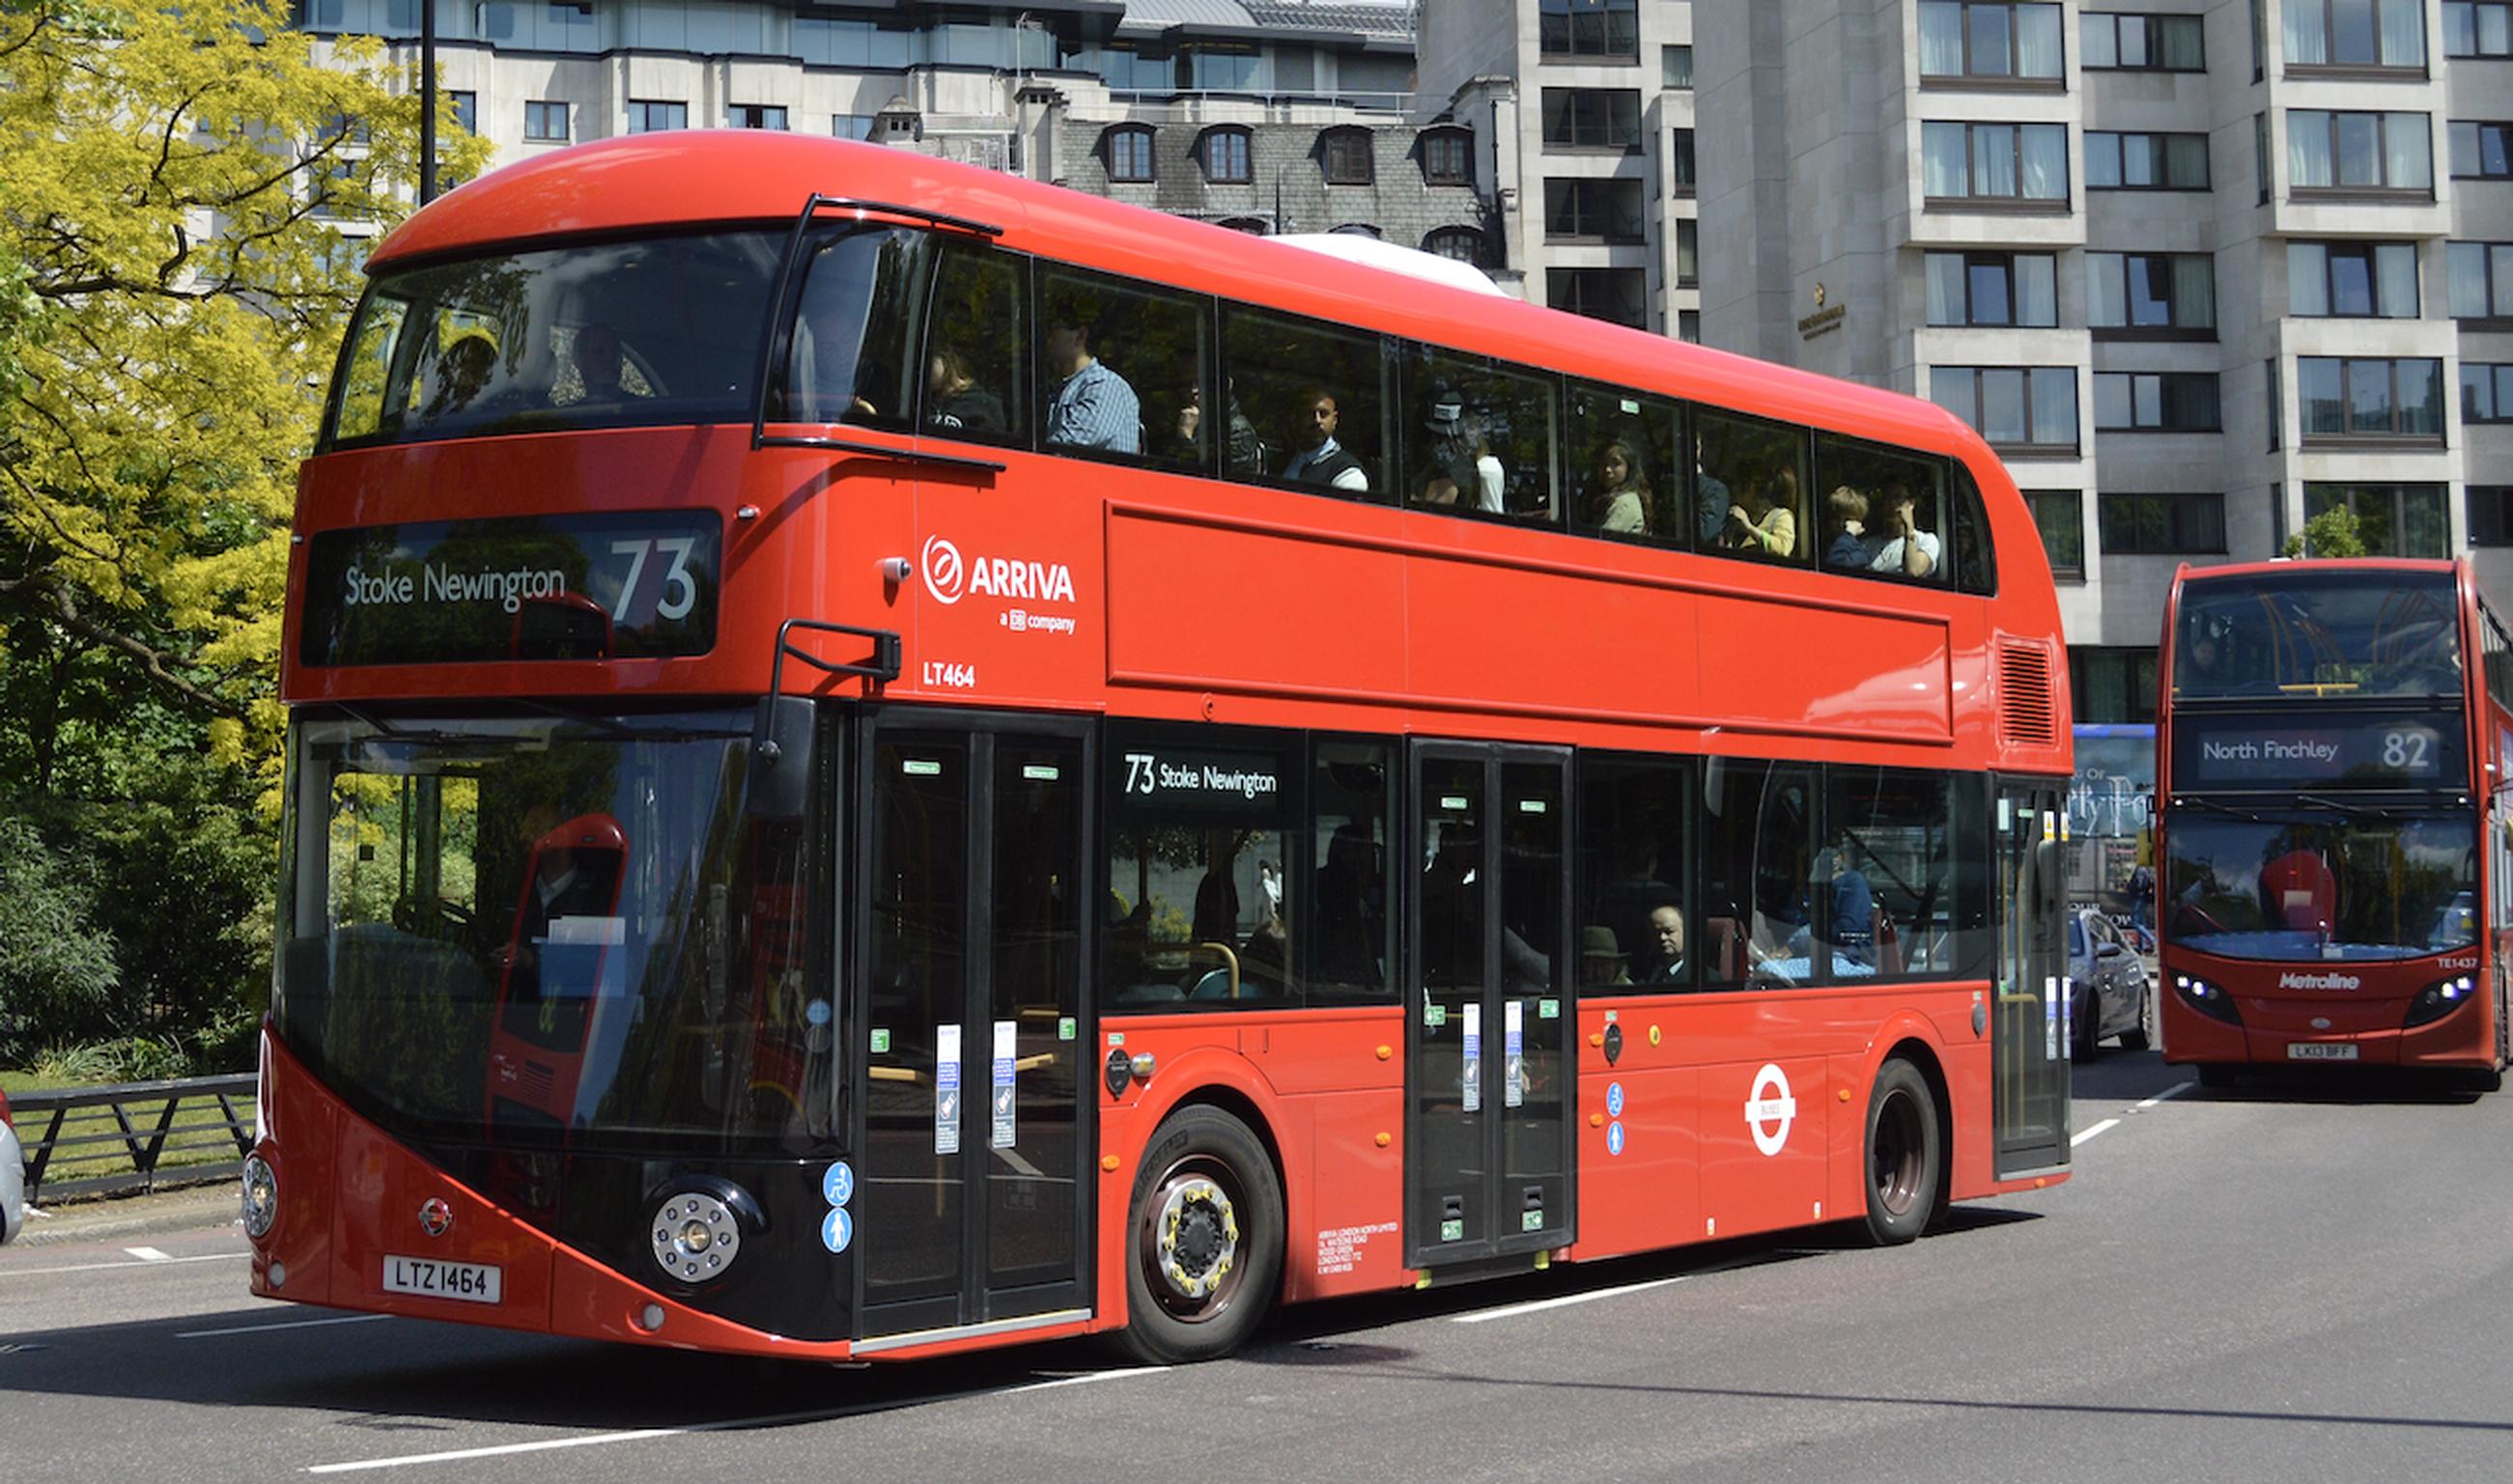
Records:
x=955, y=677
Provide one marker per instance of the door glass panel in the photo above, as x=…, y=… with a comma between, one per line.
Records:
x=1034, y=1035
x=2030, y=1040
x=1449, y=1081
x=1526, y=1054
x=917, y=979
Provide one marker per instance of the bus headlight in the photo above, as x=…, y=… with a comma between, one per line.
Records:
x=2437, y=1001
x=697, y=1231
x=2206, y=999
x=260, y=1197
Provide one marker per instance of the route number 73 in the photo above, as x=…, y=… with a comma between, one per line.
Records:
x=680, y=589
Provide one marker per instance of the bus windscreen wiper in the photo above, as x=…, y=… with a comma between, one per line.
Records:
x=2345, y=807
x=2213, y=806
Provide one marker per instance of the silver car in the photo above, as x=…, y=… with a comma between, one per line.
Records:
x=13, y=1176
x=2107, y=984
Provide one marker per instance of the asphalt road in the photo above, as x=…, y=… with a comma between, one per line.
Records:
x=2293, y=1281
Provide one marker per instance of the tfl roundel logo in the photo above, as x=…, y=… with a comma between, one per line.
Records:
x=946, y=576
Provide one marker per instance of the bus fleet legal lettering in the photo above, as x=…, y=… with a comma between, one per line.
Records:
x=507, y=589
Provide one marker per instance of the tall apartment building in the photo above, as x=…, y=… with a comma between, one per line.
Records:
x=2198, y=270
x=1587, y=106
x=1264, y=115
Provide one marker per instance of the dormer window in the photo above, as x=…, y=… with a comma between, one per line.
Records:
x=1129, y=151
x=1226, y=155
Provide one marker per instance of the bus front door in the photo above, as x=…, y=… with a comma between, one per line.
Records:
x=1488, y=1012
x=967, y=1034
x=2030, y=1032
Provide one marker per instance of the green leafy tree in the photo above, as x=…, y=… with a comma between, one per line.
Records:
x=57, y=974
x=2332, y=533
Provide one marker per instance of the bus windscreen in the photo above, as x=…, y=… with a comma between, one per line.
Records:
x=2325, y=635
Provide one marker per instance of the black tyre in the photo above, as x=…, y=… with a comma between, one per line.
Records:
x=2085, y=1025
x=1204, y=1249
x=2134, y=1038
x=1905, y=1155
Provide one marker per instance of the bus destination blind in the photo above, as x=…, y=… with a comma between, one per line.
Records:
x=2266, y=753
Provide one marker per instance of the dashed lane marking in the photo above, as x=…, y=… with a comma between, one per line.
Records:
x=256, y=1329
x=2085, y=1134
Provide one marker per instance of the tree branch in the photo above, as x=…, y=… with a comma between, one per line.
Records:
x=66, y=610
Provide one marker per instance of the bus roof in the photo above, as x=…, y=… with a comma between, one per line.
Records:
x=689, y=177
x=2286, y=566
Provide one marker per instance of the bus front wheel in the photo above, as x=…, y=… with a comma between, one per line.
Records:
x=1905, y=1153
x=1204, y=1249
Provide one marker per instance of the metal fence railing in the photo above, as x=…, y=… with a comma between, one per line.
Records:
x=134, y=1136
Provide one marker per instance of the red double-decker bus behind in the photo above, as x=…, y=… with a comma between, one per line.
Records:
x=2330, y=751
x=889, y=759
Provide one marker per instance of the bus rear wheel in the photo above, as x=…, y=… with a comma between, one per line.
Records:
x=1905, y=1155
x=1204, y=1247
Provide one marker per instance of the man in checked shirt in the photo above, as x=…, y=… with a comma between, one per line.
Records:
x=1092, y=406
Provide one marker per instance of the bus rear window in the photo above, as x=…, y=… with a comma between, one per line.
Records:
x=609, y=336
x=2319, y=635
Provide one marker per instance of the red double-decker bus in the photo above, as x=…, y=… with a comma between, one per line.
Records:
x=887, y=759
x=2330, y=755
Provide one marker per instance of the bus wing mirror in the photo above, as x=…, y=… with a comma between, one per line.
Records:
x=780, y=758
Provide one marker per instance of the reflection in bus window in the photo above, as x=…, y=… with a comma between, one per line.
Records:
x=2325, y=635
x=1200, y=911
x=1891, y=829
x=1480, y=439
x=2311, y=886
x=1119, y=363
x=847, y=360
x=976, y=346
x=1630, y=485
x=1305, y=403
x=1351, y=824
x=1881, y=512
x=1749, y=489
x=611, y=335
x=1757, y=836
x=1636, y=933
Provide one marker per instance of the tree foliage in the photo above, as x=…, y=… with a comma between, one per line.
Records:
x=173, y=283
x=2332, y=533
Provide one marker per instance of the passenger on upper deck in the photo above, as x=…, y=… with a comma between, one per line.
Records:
x=1904, y=547
x=599, y=363
x=1092, y=406
x=1325, y=461
x=1846, y=510
x=1764, y=520
x=1243, y=452
x=954, y=402
x=1450, y=456
x=1618, y=501
x=463, y=371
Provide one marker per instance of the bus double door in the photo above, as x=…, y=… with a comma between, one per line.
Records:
x=1488, y=1010
x=970, y=932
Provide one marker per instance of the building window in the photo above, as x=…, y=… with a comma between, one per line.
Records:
x=2356, y=33
x=1358, y=229
x=2131, y=43
x=2020, y=408
x=1128, y=148
x=545, y=122
x=2481, y=151
x=1591, y=118
x=1617, y=295
x=2156, y=402
x=2395, y=520
x=1464, y=244
x=2060, y=515
x=1225, y=157
x=1679, y=162
x=1589, y=29
x=1687, y=326
x=851, y=126
x=2277, y=403
x=1346, y=155
x=2162, y=524
x=1688, y=252
x=2260, y=153
x=2002, y=289
x=1222, y=67
x=2163, y=292
x=2479, y=278
x=2352, y=280
x=2358, y=151
x=1675, y=67
x=2363, y=397
x=466, y=110
x=1138, y=69
x=2487, y=391
x=2483, y=28
x=1597, y=210
x=2113, y=684
x=1446, y=157
x=755, y=116
x=2145, y=162
x=2490, y=515
x=647, y=117
x=1995, y=162
x=1978, y=39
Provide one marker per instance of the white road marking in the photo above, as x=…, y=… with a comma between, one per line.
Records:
x=1513, y=1310
x=35, y=1273
x=2173, y=1091
x=256, y=1329
x=729, y=1424
x=2083, y=1135
x=1086, y=1379
x=148, y=1254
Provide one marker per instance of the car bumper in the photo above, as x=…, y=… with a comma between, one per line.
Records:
x=13, y=1185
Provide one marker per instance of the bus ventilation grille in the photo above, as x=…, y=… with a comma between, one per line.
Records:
x=2024, y=698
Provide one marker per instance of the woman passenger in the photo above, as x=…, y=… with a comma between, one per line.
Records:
x=1619, y=503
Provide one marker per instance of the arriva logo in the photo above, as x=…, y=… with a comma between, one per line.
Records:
x=2319, y=982
x=949, y=577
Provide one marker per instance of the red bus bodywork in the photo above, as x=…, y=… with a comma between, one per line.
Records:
x=2221, y=1010
x=1397, y=621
